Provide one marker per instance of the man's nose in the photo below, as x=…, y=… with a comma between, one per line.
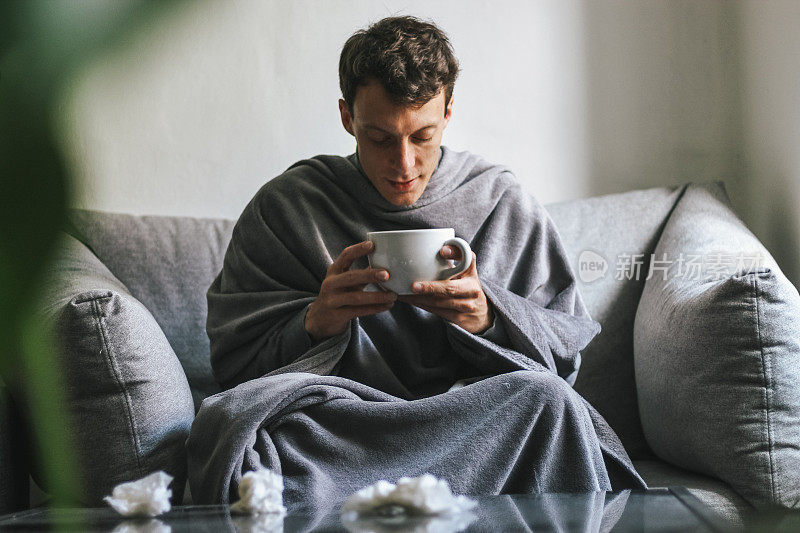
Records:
x=404, y=157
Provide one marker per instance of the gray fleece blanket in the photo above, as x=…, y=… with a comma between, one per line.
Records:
x=402, y=392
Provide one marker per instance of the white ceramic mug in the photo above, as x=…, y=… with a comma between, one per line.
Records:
x=413, y=255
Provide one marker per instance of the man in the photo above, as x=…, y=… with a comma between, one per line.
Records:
x=398, y=137
x=337, y=387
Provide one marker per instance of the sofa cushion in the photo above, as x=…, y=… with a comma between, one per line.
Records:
x=167, y=263
x=717, y=355
x=613, y=227
x=127, y=397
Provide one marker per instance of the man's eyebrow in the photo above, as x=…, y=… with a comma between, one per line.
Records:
x=373, y=127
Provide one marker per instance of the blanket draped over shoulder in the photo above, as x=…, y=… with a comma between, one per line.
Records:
x=402, y=392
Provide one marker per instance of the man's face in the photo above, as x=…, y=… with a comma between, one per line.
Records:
x=398, y=146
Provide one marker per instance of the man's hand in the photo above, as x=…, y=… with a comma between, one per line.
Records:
x=341, y=297
x=460, y=299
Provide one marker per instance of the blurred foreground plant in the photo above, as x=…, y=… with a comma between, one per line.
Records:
x=41, y=44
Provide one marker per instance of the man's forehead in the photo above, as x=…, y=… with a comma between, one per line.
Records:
x=376, y=108
x=384, y=128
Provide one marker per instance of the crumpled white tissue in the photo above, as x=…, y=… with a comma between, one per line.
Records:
x=148, y=496
x=425, y=495
x=260, y=491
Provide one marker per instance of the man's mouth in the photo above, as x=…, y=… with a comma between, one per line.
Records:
x=401, y=186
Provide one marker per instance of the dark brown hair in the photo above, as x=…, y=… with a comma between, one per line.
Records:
x=411, y=58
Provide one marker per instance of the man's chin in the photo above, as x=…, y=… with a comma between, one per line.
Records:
x=402, y=200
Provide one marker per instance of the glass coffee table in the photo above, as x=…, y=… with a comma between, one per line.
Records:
x=673, y=509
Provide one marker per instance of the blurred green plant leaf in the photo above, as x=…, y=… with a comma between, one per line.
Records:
x=41, y=44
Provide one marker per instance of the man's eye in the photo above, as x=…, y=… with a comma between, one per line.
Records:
x=424, y=140
x=382, y=142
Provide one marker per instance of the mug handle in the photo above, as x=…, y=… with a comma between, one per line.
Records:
x=466, y=258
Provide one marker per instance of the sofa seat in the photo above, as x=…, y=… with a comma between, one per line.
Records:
x=714, y=493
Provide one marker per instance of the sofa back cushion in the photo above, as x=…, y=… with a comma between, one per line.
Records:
x=167, y=263
x=717, y=353
x=615, y=231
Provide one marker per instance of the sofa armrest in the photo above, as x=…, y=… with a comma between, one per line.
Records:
x=128, y=400
x=716, y=351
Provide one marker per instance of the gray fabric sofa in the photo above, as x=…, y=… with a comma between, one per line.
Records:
x=127, y=299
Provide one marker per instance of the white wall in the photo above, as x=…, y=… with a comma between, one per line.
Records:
x=195, y=112
x=770, y=103
x=202, y=107
x=661, y=93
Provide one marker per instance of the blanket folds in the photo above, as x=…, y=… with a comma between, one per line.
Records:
x=378, y=401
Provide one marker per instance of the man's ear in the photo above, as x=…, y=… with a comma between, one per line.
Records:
x=347, y=118
x=448, y=111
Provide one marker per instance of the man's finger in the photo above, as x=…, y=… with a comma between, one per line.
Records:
x=450, y=252
x=354, y=311
x=348, y=255
x=352, y=279
x=461, y=305
x=346, y=299
x=451, y=288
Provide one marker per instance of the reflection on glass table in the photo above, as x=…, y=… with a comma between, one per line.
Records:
x=650, y=511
